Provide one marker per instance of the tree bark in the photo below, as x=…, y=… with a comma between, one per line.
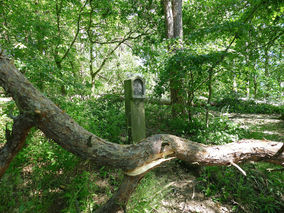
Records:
x=136, y=159
x=15, y=140
x=209, y=98
x=177, y=17
x=169, y=19
x=173, y=19
x=119, y=200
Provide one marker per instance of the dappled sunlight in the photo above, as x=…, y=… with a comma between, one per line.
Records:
x=183, y=194
x=265, y=124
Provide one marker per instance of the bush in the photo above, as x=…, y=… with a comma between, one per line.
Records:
x=105, y=117
x=250, y=106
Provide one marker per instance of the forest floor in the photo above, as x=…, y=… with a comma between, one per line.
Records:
x=183, y=196
x=170, y=188
x=267, y=127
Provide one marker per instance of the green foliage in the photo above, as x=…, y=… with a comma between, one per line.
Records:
x=34, y=175
x=44, y=176
x=234, y=104
x=185, y=64
x=145, y=200
x=79, y=192
x=105, y=116
x=220, y=131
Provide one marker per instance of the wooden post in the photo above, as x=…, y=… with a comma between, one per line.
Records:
x=134, y=90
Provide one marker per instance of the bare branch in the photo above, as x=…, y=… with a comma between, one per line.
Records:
x=107, y=58
x=76, y=34
x=239, y=168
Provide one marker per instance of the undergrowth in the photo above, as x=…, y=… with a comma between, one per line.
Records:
x=234, y=104
x=259, y=191
x=43, y=177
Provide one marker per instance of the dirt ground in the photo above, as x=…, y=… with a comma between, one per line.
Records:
x=268, y=125
x=183, y=196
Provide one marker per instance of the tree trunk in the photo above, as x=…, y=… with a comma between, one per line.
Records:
x=91, y=69
x=235, y=85
x=177, y=18
x=136, y=159
x=248, y=88
x=169, y=19
x=119, y=200
x=15, y=140
x=173, y=19
x=266, y=72
x=255, y=85
x=209, y=97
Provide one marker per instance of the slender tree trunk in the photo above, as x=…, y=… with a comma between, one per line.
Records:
x=91, y=68
x=177, y=18
x=169, y=19
x=235, y=85
x=189, y=106
x=266, y=62
x=266, y=71
x=255, y=85
x=176, y=83
x=209, y=97
x=248, y=89
x=62, y=86
x=5, y=22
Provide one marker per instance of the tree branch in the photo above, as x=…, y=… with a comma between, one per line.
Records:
x=15, y=141
x=58, y=8
x=121, y=196
x=246, y=18
x=76, y=34
x=126, y=38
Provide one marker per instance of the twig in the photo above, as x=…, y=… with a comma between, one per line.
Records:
x=77, y=32
x=239, y=168
x=275, y=170
x=193, y=192
x=234, y=202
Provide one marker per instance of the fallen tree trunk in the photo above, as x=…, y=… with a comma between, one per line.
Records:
x=136, y=159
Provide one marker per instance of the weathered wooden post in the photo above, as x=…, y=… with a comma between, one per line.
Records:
x=134, y=91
